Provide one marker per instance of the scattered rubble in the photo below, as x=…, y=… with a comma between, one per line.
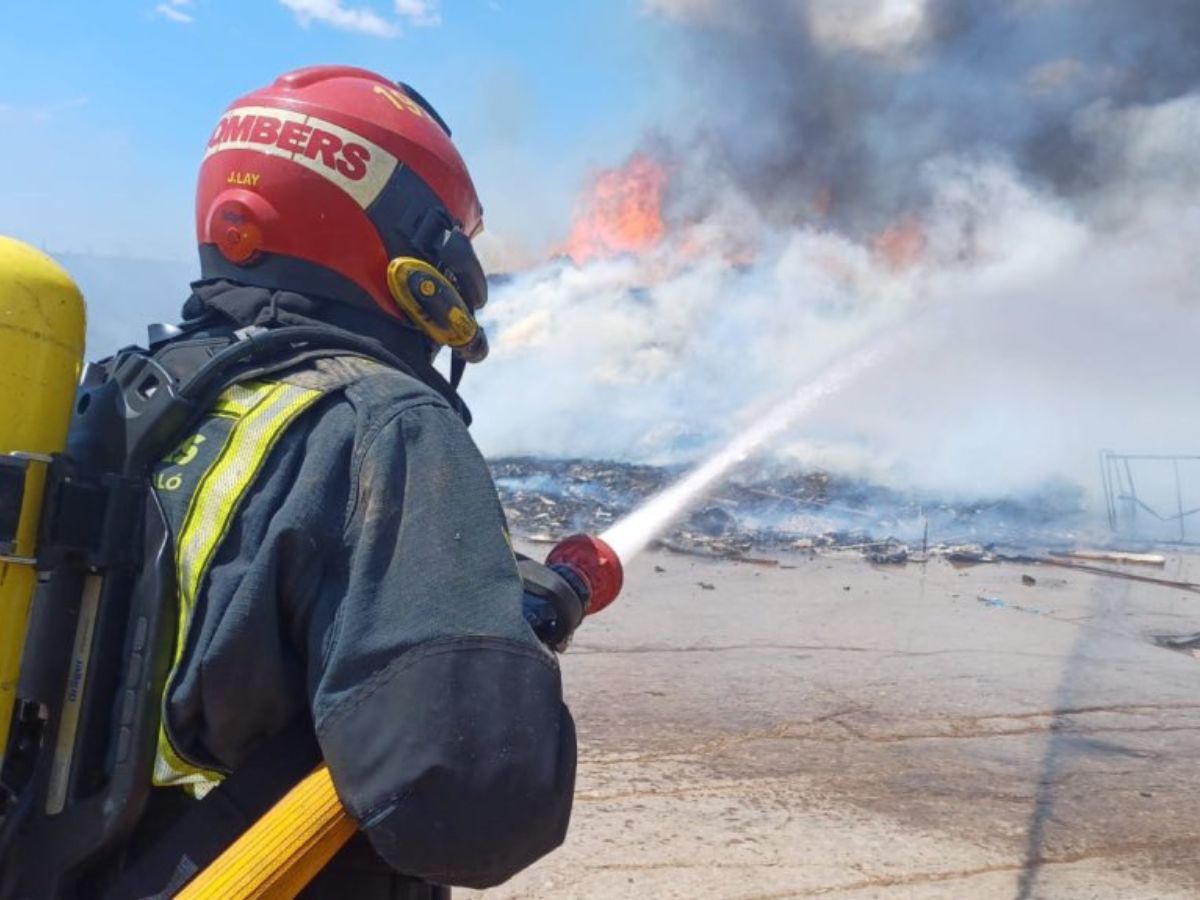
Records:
x=1001, y=603
x=1120, y=557
x=768, y=509
x=889, y=553
x=968, y=553
x=1064, y=563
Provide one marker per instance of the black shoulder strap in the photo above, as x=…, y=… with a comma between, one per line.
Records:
x=173, y=387
x=255, y=352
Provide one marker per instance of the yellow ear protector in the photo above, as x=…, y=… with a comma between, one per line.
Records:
x=435, y=306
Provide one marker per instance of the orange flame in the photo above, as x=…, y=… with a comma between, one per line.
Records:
x=901, y=245
x=621, y=211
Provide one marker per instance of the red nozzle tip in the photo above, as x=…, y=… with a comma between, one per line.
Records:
x=596, y=563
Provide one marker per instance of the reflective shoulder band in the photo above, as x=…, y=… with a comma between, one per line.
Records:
x=261, y=413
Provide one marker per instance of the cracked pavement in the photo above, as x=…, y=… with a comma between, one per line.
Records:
x=826, y=728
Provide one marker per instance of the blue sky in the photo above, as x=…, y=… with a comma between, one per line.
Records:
x=105, y=106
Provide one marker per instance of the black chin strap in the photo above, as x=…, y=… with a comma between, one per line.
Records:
x=458, y=366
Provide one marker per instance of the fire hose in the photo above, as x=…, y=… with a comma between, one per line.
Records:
x=285, y=849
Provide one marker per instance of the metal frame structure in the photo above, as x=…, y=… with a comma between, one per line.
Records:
x=1123, y=503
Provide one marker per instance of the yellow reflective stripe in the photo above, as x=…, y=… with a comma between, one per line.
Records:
x=170, y=770
x=221, y=487
x=263, y=412
x=240, y=399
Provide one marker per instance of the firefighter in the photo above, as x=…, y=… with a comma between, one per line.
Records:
x=341, y=556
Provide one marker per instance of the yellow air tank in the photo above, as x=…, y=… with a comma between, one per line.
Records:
x=42, y=324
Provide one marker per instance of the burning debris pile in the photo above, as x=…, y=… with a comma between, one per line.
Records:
x=766, y=509
x=834, y=170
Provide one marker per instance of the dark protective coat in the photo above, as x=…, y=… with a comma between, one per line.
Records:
x=368, y=579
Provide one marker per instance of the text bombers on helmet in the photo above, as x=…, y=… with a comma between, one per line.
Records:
x=349, y=160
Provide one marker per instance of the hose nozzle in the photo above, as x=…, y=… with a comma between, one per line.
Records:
x=595, y=564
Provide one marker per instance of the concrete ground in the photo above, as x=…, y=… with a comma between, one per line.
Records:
x=826, y=728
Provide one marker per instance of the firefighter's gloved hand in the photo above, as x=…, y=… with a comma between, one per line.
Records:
x=554, y=602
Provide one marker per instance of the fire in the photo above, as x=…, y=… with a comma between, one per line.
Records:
x=621, y=211
x=901, y=245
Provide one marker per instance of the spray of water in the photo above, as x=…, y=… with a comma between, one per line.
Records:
x=634, y=533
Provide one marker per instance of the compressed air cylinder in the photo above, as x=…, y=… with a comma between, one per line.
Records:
x=42, y=324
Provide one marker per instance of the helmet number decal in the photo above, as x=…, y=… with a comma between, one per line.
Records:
x=401, y=101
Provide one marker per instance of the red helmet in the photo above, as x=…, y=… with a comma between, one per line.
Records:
x=318, y=182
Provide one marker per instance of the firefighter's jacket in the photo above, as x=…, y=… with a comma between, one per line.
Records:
x=341, y=548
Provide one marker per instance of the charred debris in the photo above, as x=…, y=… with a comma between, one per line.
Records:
x=768, y=510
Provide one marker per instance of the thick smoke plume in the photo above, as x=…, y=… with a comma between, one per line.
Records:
x=825, y=110
x=1023, y=176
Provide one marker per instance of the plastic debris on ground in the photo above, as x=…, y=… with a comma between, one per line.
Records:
x=770, y=508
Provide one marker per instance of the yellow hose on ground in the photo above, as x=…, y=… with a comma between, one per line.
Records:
x=282, y=851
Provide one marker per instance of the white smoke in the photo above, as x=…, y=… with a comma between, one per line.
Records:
x=887, y=28
x=1053, y=325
